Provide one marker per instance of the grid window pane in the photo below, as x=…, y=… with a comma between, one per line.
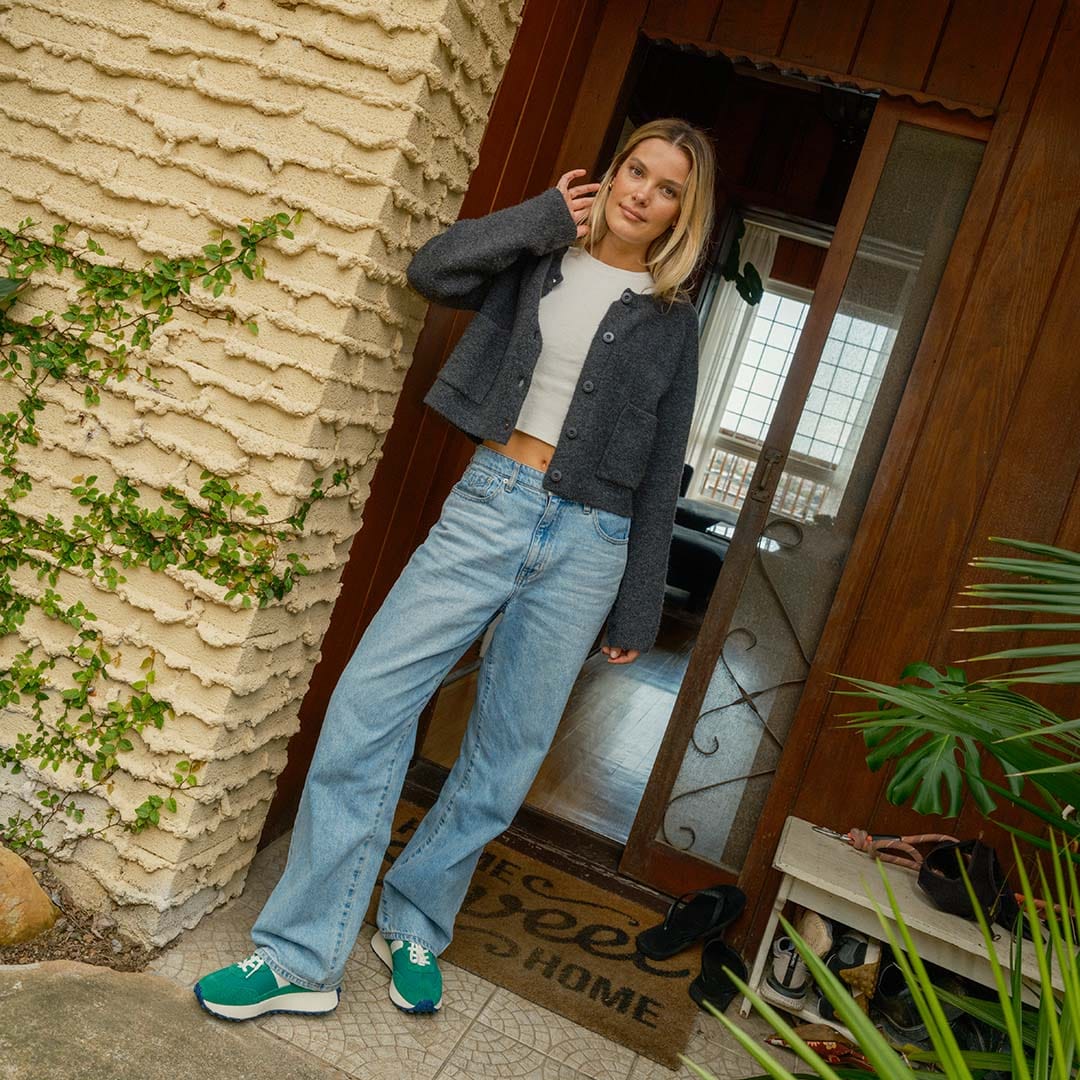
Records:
x=851, y=353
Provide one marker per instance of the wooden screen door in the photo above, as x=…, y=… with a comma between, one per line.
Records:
x=888, y=264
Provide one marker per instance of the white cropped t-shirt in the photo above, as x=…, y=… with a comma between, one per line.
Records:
x=569, y=317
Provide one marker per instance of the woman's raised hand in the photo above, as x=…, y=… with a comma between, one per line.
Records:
x=578, y=198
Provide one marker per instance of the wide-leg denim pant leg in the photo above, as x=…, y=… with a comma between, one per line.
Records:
x=498, y=536
x=562, y=593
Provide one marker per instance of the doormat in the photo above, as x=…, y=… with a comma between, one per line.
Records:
x=567, y=945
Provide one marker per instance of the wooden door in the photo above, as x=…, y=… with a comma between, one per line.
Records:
x=893, y=265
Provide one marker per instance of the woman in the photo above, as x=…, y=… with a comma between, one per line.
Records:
x=576, y=378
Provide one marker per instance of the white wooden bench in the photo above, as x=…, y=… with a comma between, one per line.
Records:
x=830, y=877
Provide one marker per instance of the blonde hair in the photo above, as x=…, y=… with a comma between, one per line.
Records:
x=674, y=255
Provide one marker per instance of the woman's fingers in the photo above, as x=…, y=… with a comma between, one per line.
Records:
x=579, y=197
x=564, y=180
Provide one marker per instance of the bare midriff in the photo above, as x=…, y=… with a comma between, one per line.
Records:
x=527, y=449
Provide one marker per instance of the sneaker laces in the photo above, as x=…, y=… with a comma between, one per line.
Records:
x=418, y=955
x=251, y=964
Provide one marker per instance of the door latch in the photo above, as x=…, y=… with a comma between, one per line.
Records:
x=770, y=458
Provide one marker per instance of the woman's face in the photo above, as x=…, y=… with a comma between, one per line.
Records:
x=646, y=191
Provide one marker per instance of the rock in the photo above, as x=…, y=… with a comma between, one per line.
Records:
x=25, y=909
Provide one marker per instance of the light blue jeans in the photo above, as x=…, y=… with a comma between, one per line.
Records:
x=502, y=544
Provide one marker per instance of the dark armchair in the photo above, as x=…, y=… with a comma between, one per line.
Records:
x=696, y=556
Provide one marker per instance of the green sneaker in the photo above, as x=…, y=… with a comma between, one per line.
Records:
x=248, y=989
x=415, y=980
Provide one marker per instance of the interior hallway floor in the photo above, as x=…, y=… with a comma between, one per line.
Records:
x=483, y=1032
x=610, y=733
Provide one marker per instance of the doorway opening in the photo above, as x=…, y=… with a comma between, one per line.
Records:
x=787, y=151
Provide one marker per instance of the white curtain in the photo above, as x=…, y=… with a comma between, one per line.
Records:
x=726, y=318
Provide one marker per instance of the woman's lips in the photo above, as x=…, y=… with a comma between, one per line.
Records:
x=630, y=214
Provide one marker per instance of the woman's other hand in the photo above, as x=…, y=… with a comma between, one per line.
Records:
x=616, y=655
x=579, y=198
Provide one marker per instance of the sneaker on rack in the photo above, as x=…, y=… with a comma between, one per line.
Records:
x=249, y=988
x=788, y=977
x=415, y=979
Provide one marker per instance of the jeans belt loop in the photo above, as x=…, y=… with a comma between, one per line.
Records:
x=511, y=480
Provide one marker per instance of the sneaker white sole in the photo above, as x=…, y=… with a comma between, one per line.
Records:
x=310, y=1002
x=381, y=947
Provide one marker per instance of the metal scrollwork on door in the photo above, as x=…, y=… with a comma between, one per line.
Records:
x=746, y=690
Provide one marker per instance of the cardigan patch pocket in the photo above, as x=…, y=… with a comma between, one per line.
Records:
x=626, y=455
x=475, y=361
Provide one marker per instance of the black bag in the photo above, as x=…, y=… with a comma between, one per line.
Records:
x=939, y=878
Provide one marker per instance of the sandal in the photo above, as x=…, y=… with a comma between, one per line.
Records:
x=713, y=984
x=687, y=919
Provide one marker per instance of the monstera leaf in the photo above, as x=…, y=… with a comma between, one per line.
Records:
x=937, y=732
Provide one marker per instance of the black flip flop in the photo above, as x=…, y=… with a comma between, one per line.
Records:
x=688, y=919
x=713, y=984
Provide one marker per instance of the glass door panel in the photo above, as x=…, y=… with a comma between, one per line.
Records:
x=726, y=770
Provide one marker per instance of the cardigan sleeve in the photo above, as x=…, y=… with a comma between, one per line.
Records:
x=455, y=267
x=635, y=616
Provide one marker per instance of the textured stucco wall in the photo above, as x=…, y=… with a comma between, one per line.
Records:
x=149, y=123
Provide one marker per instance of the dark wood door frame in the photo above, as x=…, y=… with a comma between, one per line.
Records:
x=646, y=858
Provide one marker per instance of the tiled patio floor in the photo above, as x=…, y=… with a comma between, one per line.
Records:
x=481, y=1032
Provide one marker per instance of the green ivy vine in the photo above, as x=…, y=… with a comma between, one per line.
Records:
x=221, y=533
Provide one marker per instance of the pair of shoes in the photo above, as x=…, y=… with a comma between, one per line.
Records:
x=415, y=979
x=250, y=988
x=701, y=914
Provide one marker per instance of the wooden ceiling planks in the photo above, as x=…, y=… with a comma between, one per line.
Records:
x=977, y=50
x=825, y=34
x=899, y=42
x=692, y=18
x=758, y=26
x=958, y=52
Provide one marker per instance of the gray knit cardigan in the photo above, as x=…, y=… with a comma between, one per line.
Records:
x=623, y=442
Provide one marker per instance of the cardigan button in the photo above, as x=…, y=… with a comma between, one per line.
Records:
x=555, y=475
x=571, y=432
x=521, y=382
x=609, y=336
x=587, y=386
x=626, y=296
